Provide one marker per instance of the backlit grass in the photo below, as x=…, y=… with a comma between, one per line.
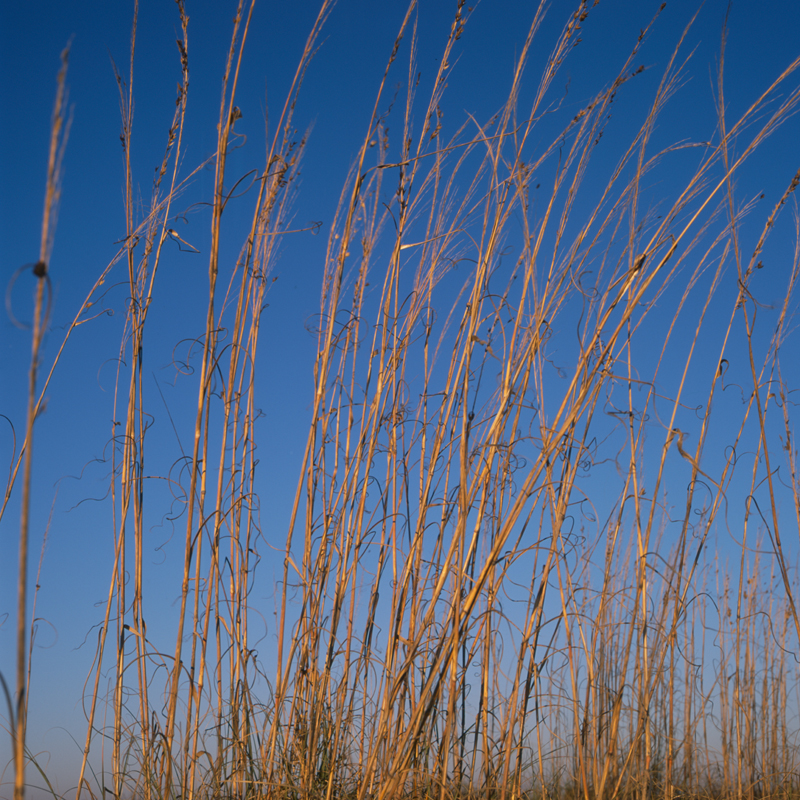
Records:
x=545, y=408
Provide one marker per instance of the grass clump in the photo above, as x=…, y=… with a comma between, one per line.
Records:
x=499, y=576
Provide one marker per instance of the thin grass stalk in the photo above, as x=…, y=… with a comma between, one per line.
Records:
x=197, y=491
x=59, y=131
x=141, y=282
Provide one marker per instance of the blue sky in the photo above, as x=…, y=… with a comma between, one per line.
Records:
x=70, y=477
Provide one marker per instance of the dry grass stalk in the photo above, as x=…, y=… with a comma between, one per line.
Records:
x=58, y=138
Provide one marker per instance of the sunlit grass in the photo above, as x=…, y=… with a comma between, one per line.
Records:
x=500, y=575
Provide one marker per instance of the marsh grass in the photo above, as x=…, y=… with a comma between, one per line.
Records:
x=500, y=575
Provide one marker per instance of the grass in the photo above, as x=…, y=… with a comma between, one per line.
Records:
x=500, y=578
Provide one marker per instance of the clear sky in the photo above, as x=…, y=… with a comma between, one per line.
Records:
x=70, y=477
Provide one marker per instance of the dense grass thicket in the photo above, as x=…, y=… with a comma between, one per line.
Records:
x=542, y=540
